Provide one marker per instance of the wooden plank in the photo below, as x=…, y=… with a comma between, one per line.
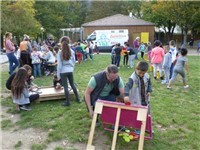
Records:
x=91, y=135
x=50, y=93
x=98, y=107
x=142, y=132
x=116, y=129
x=90, y=147
x=142, y=114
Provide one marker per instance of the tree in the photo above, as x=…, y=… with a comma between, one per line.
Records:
x=187, y=17
x=161, y=14
x=60, y=14
x=135, y=8
x=18, y=17
x=101, y=9
x=168, y=14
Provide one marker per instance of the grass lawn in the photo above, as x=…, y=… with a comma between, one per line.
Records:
x=175, y=112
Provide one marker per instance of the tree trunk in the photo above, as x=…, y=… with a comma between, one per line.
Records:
x=184, y=45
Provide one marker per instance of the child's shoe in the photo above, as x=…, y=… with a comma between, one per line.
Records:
x=137, y=132
x=78, y=100
x=168, y=87
x=163, y=82
x=25, y=107
x=185, y=87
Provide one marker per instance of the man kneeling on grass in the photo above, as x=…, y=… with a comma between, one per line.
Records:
x=105, y=85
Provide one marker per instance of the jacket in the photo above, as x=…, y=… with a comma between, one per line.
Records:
x=65, y=65
x=101, y=81
x=133, y=88
x=24, y=99
x=157, y=55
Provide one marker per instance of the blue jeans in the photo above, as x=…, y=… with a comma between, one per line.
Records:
x=13, y=62
x=117, y=60
x=37, y=70
x=171, y=70
x=111, y=98
x=136, y=52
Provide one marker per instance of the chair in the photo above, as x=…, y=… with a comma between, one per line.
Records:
x=118, y=114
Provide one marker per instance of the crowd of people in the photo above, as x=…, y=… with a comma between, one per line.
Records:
x=47, y=57
x=60, y=58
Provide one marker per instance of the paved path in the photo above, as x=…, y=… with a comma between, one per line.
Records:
x=3, y=58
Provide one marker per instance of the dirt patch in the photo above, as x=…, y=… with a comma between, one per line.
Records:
x=10, y=138
x=27, y=137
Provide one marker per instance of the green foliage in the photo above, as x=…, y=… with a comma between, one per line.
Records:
x=19, y=144
x=6, y=124
x=38, y=146
x=60, y=14
x=96, y=11
x=26, y=17
x=59, y=148
x=168, y=14
x=18, y=17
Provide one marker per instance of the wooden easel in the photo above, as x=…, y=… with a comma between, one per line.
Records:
x=141, y=116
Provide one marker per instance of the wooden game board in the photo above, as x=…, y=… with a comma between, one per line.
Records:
x=50, y=93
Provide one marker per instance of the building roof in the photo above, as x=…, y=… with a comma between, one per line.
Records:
x=118, y=20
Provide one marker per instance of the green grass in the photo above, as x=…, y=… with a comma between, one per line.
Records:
x=19, y=144
x=175, y=112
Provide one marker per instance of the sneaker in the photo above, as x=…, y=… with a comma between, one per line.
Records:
x=39, y=92
x=155, y=78
x=163, y=82
x=168, y=87
x=98, y=123
x=78, y=101
x=66, y=103
x=161, y=78
x=47, y=73
x=137, y=132
x=25, y=107
x=120, y=128
x=185, y=87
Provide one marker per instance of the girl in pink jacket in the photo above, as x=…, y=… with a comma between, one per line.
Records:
x=157, y=55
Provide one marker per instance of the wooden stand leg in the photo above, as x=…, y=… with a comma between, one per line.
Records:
x=142, y=116
x=116, y=129
x=92, y=129
x=98, y=110
x=141, y=140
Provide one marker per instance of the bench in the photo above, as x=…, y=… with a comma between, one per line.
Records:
x=50, y=93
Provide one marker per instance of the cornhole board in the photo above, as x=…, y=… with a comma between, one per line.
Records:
x=120, y=117
x=50, y=93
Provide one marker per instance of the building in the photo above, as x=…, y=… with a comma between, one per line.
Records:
x=136, y=27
